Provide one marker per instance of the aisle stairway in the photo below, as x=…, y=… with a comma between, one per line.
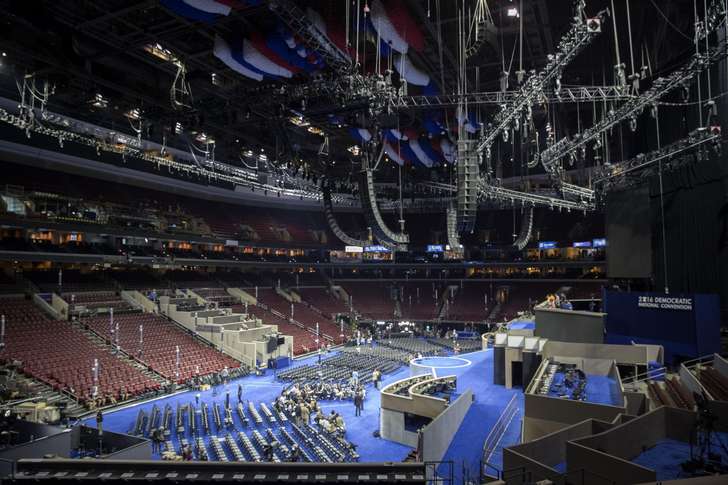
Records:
x=42, y=392
x=101, y=342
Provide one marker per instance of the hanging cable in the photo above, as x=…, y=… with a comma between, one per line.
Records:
x=667, y=20
x=697, y=51
x=358, y=25
x=662, y=204
x=707, y=47
x=619, y=77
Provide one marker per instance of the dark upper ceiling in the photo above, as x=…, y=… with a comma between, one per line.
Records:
x=86, y=47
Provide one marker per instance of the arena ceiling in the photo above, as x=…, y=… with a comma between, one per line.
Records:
x=127, y=54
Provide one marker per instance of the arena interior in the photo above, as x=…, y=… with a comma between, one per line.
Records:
x=364, y=241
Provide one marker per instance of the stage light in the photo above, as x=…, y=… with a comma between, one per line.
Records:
x=98, y=101
x=513, y=12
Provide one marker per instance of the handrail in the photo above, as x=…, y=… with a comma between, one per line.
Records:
x=499, y=428
x=637, y=378
x=689, y=364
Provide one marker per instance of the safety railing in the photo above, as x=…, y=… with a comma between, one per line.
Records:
x=499, y=429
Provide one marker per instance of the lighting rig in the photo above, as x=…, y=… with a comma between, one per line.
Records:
x=579, y=36
x=489, y=191
x=573, y=94
x=496, y=192
x=110, y=141
x=662, y=86
x=617, y=175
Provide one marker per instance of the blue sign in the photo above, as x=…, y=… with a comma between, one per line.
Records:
x=582, y=244
x=375, y=249
x=434, y=248
x=686, y=325
x=547, y=244
x=599, y=243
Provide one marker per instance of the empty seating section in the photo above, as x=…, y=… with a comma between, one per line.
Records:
x=371, y=299
x=418, y=301
x=62, y=356
x=522, y=298
x=8, y=285
x=301, y=314
x=160, y=338
x=672, y=392
x=469, y=303
x=714, y=382
x=96, y=300
x=216, y=295
x=322, y=299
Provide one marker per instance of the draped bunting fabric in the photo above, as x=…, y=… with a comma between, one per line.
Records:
x=405, y=24
x=429, y=149
x=419, y=152
x=433, y=125
x=184, y=9
x=223, y=52
x=261, y=44
x=408, y=71
x=416, y=145
x=209, y=6
x=393, y=153
x=255, y=58
x=207, y=11
x=386, y=30
x=360, y=134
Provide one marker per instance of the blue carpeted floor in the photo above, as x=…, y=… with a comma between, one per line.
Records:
x=466, y=449
x=598, y=389
x=667, y=455
x=266, y=389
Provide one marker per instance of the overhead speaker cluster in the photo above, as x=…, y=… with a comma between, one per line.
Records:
x=453, y=238
x=526, y=230
x=331, y=219
x=372, y=215
x=468, y=184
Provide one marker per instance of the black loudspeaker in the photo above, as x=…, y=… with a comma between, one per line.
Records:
x=281, y=340
x=272, y=344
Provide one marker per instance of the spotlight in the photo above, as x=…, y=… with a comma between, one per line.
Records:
x=594, y=25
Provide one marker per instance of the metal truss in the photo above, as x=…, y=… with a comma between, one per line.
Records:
x=513, y=197
x=662, y=86
x=576, y=94
x=576, y=191
x=572, y=43
x=490, y=191
x=616, y=174
x=298, y=22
